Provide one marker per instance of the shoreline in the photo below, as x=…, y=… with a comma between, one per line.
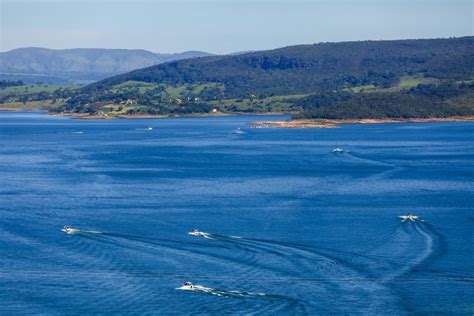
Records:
x=22, y=109
x=334, y=123
x=290, y=123
x=86, y=116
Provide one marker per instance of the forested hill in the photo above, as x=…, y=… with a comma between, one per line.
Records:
x=320, y=80
x=309, y=68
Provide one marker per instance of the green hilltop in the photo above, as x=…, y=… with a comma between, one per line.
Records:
x=366, y=79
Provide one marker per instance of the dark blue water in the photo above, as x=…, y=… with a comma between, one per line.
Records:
x=294, y=227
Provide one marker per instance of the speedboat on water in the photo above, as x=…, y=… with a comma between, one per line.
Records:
x=338, y=150
x=187, y=286
x=69, y=230
x=149, y=128
x=196, y=232
x=410, y=217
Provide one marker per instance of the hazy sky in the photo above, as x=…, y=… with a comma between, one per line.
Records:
x=222, y=26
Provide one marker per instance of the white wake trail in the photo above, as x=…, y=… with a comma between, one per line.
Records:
x=424, y=253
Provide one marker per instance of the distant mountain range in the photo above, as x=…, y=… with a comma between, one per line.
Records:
x=81, y=65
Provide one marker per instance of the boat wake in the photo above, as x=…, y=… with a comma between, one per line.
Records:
x=356, y=158
x=271, y=303
x=334, y=275
x=218, y=292
x=75, y=231
x=322, y=273
x=412, y=246
x=407, y=248
x=238, y=131
x=178, y=253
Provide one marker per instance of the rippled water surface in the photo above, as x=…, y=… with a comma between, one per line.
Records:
x=293, y=227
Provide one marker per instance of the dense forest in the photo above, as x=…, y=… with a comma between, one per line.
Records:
x=402, y=78
x=310, y=68
x=422, y=101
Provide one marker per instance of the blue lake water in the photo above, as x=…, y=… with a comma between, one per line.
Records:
x=295, y=228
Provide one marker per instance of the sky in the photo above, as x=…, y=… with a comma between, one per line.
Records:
x=224, y=26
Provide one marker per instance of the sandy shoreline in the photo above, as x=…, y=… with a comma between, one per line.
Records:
x=295, y=124
x=326, y=123
x=408, y=120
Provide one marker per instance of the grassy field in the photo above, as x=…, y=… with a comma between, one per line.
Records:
x=120, y=109
x=12, y=97
x=366, y=88
x=142, y=87
x=270, y=104
x=34, y=88
x=406, y=82
x=36, y=105
x=173, y=92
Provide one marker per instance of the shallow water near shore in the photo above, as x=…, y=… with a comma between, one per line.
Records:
x=294, y=228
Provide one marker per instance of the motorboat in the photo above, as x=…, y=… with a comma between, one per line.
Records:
x=187, y=286
x=196, y=232
x=338, y=150
x=69, y=230
x=410, y=217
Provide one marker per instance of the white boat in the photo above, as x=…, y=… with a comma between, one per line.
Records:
x=338, y=150
x=187, y=286
x=198, y=233
x=69, y=230
x=410, y=217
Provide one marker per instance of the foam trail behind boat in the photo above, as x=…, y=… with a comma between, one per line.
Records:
x=278, y=303
x=219, y=292
x=74, y=231
x=349, y=156
x=415, y=247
